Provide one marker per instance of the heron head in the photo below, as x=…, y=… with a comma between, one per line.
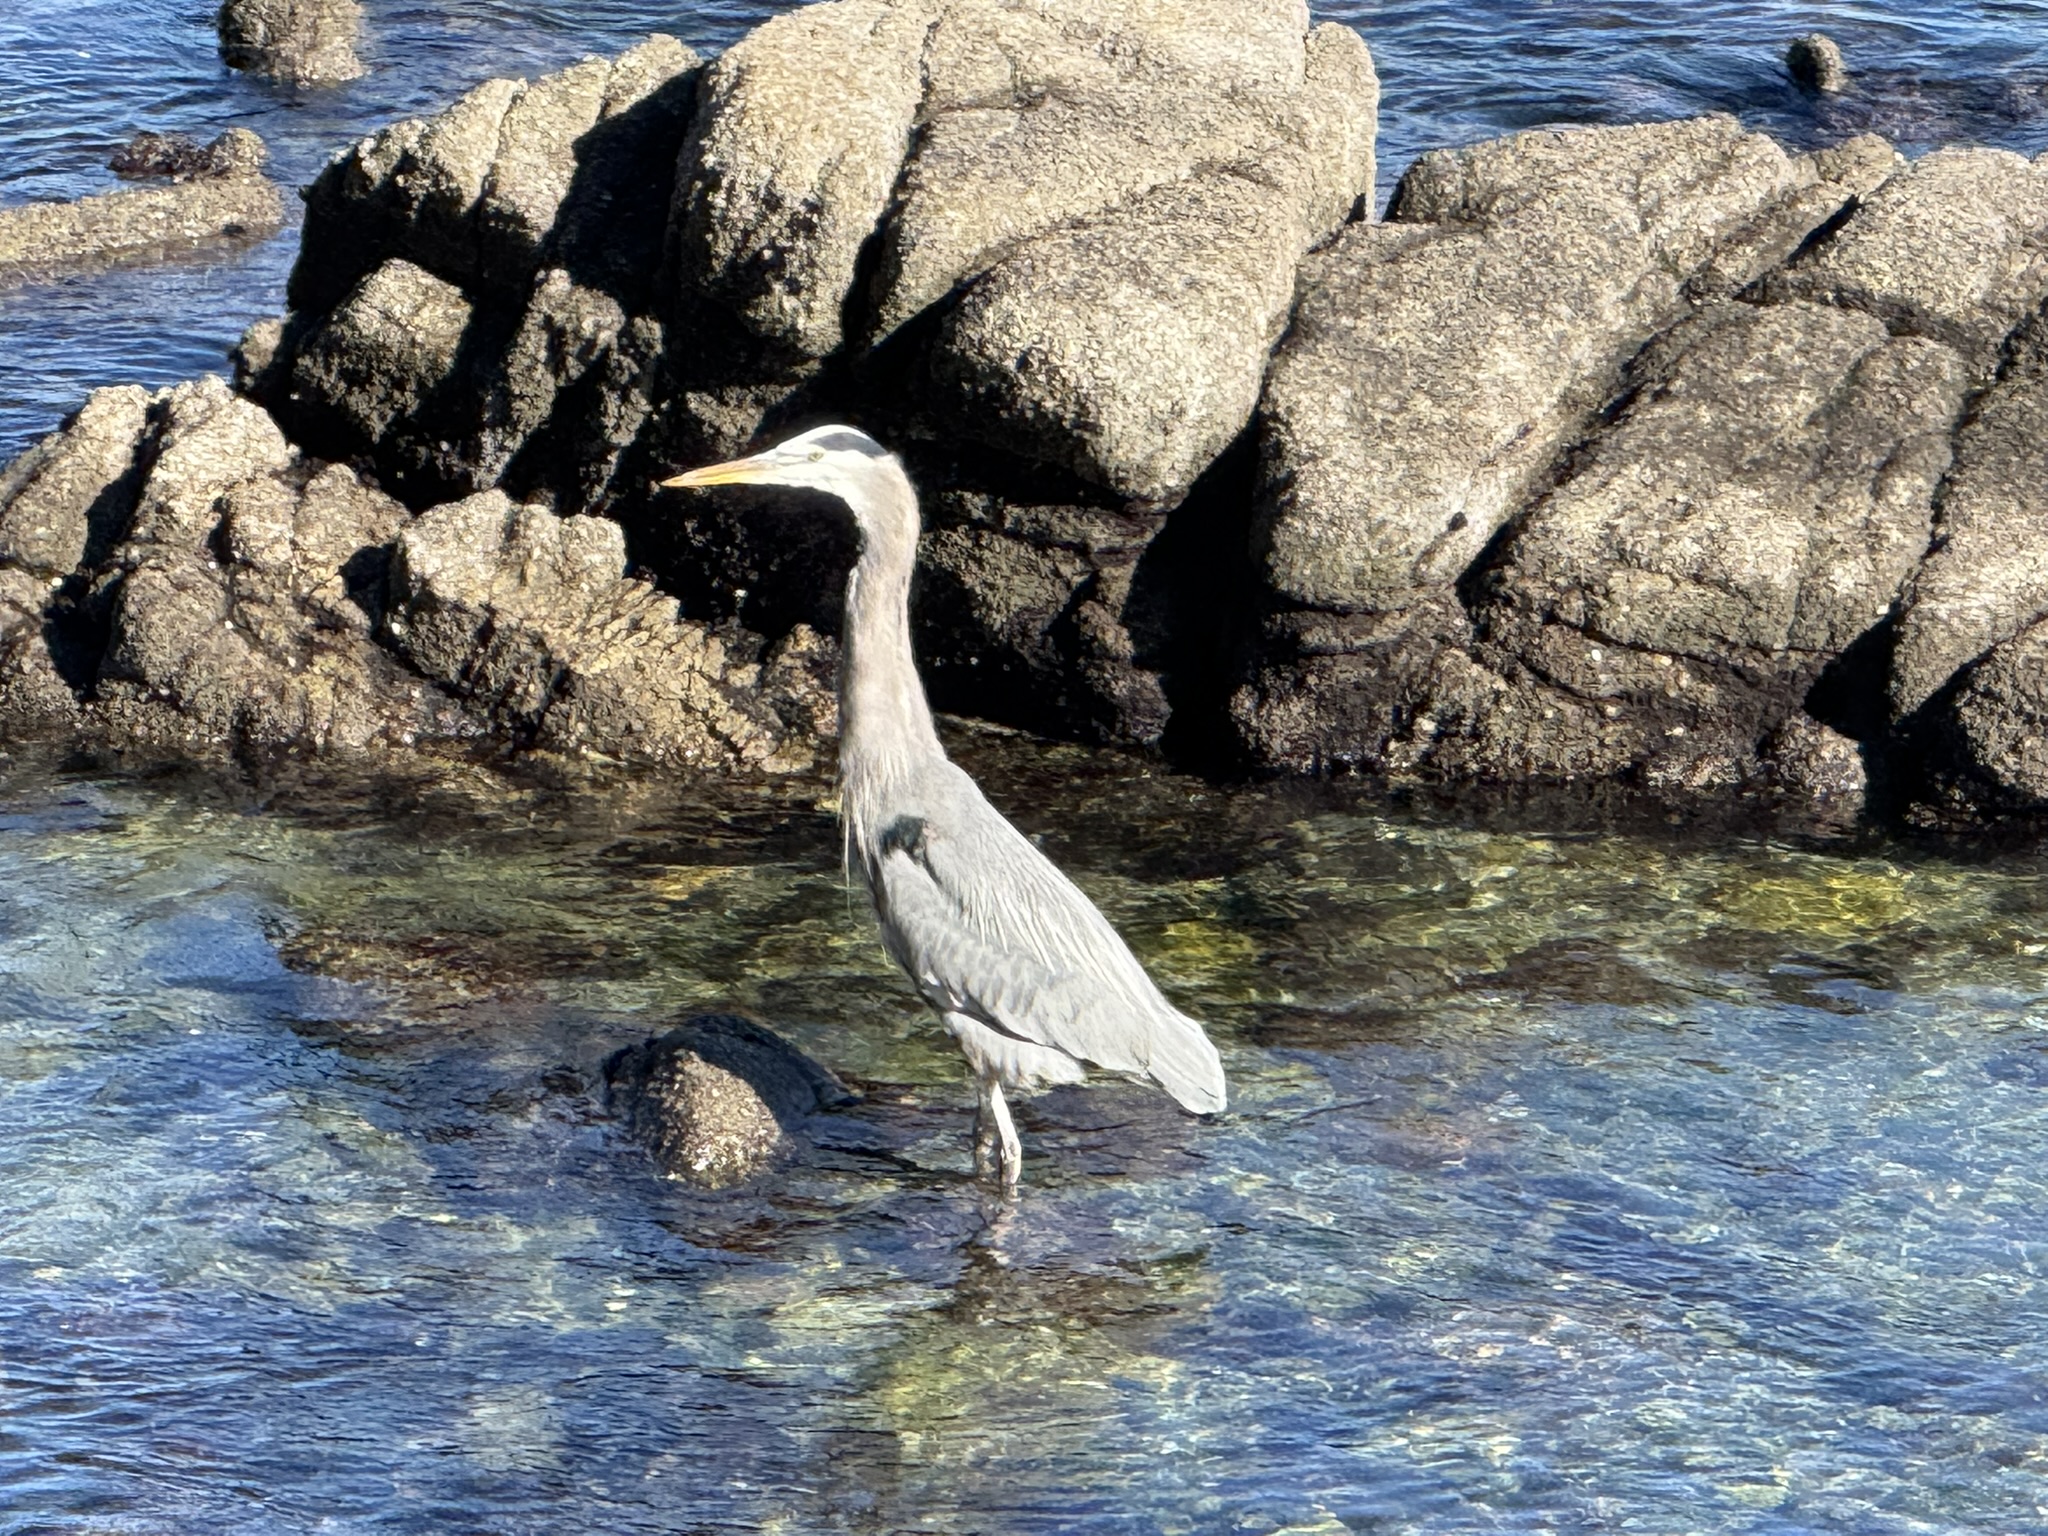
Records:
x=840, y=461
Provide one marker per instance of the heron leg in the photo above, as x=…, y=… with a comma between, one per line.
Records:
x=1013, y=1149
x=987, y=1138
x=991, y=1058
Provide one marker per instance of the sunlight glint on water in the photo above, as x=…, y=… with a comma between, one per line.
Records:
x=1572, y=1180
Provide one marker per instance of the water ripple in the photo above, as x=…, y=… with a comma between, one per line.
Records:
x=1694, y=1185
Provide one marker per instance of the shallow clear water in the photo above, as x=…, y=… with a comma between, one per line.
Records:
x=1577, y=1177
x=1580, y=1180
x=77, y=77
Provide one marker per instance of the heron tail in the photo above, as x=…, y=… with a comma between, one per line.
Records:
x=1186, y=1065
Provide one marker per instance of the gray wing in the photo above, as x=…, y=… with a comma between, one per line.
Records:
x=985, y=924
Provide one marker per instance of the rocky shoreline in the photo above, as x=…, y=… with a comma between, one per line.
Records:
x=207, y=197
x=1651, y=455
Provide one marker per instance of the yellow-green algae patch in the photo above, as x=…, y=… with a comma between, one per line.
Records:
x=1556, y=1158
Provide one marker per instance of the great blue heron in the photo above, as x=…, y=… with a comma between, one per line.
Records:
x=1028, y=977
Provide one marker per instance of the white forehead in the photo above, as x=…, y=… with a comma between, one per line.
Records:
x=833, y=439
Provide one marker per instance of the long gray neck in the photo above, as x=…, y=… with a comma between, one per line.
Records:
x=885, y=725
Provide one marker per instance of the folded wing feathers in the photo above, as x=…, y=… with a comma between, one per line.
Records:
x=989, y=920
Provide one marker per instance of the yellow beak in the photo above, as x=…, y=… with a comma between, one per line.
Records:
x=731, y=472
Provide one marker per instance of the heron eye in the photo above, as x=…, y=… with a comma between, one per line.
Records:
x=817, y=454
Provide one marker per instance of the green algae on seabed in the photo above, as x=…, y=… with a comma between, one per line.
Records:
x=1576, y=1178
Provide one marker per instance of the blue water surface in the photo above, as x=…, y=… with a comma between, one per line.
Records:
x=1581, y=1179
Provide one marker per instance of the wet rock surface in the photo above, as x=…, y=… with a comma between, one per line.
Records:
x=719, y=1098
x=1653, y=454
x=177, y=157
x=212, y=195
x=1986, y=739
x=1816, y=62
x=304, y=42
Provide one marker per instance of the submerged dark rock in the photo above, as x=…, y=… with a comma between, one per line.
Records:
x=719, y=1098
x=178, y=157
x=1912, y=105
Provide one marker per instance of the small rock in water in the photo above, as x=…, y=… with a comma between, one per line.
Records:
x=216, y=193
x=718, y=1098
x=1816, y=63
x=1807, y=759
x=310, y=42
x=178, y=157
